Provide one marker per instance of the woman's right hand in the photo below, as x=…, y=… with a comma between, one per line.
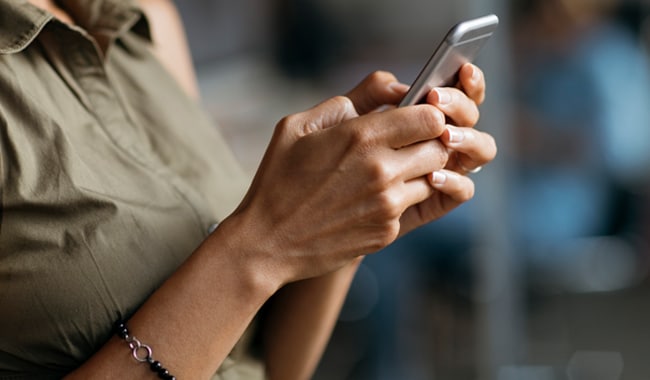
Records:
x=333, y=185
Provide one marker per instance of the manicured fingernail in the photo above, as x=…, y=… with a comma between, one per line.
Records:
x=455, y=135
x=443, y=97
x=398, y=87
x=438, y=178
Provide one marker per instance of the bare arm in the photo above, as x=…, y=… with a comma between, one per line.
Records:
x=300, y=323
x=193, y=321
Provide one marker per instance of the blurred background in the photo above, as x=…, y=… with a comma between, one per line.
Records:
x=544, y=274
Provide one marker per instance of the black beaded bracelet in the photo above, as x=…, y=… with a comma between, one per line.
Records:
x=141, y=352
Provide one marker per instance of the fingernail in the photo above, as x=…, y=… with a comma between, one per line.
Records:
x=455, y=135
x=398, y=87
x=438, y=178
x=443, y=97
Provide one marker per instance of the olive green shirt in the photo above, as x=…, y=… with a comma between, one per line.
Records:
x=110, y=176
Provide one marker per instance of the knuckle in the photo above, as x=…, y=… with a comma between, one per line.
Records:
x=287, y=123
x=381, y=174
x=474, y=116
x=439, y=152
x=380, y=76
x=480, y=98
x=386, y=233
x=362, y=136
x=375, y=76
x=389, y=206
x=343, y=102
x=431, y=117
x=390, y=231
x=434, y=152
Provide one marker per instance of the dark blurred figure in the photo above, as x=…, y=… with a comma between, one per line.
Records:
x=582, y=146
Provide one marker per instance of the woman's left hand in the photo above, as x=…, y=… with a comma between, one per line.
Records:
x=470, y=149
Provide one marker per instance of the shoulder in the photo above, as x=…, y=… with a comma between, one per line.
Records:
x=170, y=43
x=159, y=11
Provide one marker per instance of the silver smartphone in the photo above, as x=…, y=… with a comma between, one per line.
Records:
x=461, y=45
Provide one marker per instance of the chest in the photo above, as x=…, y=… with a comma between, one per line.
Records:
x=110, y=179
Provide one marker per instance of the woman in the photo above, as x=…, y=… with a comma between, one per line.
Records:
x=113, y=182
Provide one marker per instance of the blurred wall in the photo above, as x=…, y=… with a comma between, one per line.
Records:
x=219, y=29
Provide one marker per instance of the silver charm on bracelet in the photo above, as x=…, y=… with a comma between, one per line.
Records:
x=136, y=346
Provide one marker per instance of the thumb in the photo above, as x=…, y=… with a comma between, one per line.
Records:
x=325, y=115
x=376, y=90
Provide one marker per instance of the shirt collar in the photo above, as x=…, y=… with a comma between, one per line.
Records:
x=21, y=22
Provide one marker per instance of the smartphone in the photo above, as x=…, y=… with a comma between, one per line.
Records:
x=461, y=45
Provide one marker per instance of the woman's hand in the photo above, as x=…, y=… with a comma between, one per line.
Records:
x=339, y=181
x=333, y=185
x=469, y=149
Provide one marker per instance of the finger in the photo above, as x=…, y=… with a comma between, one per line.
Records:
x=399, y=127
x=471, y=148
x=457, y=187
x=460, y=109
x=471, y=81
x=377, y=89
x=450, y=191
x=416, y=191
x=420, y=159
x=322, y=116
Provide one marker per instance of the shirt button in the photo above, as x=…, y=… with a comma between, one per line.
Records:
x=212, y=228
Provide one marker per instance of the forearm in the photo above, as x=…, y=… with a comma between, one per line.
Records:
x=300, y=321
x=193, y=321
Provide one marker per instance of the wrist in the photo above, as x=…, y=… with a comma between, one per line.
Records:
x=248, y=253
